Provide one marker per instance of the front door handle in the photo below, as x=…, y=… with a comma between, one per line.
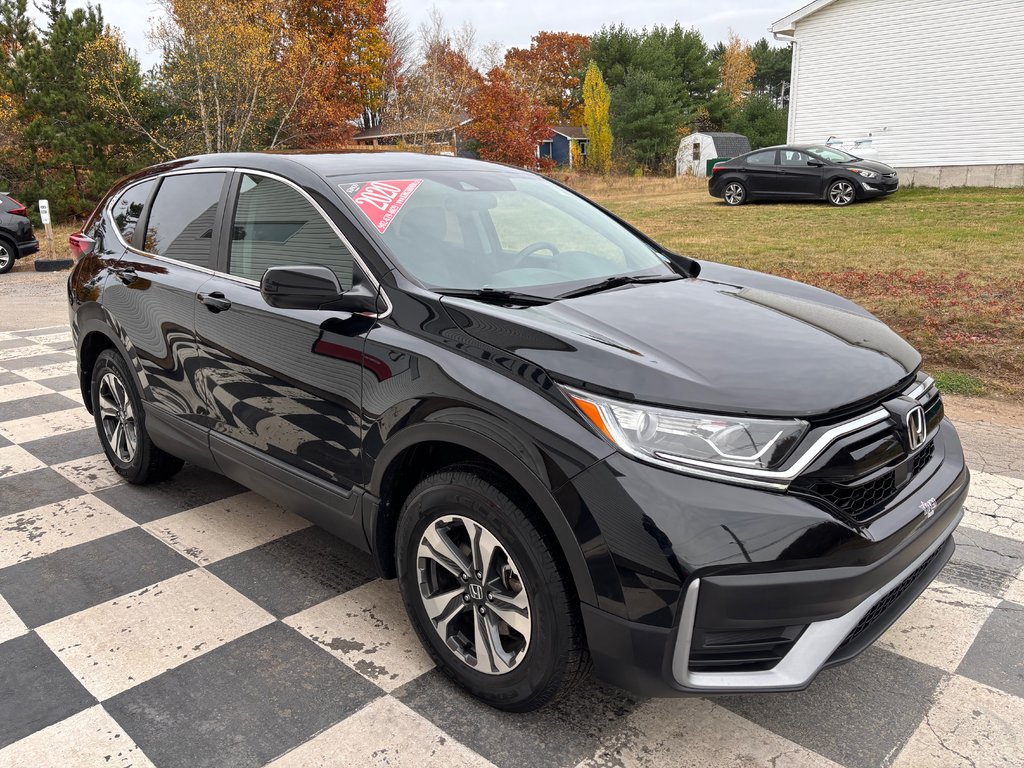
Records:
x=215, y=302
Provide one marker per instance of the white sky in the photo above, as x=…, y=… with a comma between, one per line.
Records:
x=512, y=22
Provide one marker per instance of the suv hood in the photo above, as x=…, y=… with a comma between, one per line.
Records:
x=771, y=347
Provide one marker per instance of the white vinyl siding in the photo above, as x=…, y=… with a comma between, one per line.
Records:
x=934, y=82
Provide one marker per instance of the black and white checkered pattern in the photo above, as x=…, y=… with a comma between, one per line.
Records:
x=193, y=623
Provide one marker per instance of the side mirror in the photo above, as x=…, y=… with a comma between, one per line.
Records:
x=314, y=287
x=815, y=164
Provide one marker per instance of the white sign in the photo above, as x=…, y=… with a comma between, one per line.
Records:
x=44, y=211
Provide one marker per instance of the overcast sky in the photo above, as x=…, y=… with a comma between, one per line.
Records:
x=512, y=22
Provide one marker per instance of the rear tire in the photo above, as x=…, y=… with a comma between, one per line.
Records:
x=8, y=254
x=841, y=193
x=473, y=519
x=734, y=194
x=121, y=424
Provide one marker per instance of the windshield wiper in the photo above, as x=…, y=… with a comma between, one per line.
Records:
x=496, y=296
x=617, y=282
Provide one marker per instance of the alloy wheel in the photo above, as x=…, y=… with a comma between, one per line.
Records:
x=841, y=193
x=474, y=594
x=117, y=415
x=5, y=257
x=734, y=194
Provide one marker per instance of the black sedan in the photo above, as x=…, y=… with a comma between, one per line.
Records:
x=806, y=172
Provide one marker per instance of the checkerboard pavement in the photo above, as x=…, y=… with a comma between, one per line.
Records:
x=193, y=623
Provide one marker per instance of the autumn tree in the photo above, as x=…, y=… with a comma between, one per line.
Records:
x=738, y=69
x=439, y=90
x=507, y=124
x=332, y=70
x=551, y=69
x=596, y=103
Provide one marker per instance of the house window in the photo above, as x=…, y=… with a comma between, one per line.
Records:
x=696, y=152
x=583, y=147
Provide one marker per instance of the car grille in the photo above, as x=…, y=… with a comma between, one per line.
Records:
x=879, y=609
x=863, y=500
x=864, y=472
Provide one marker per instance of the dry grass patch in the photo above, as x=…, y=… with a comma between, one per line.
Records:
x=945, y=268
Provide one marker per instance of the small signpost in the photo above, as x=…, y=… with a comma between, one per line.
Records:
x=51, y=264
x=44, y=214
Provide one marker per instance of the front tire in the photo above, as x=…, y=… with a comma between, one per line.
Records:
x=487, y=594
x=734, y=194
x=121, y=424
x=842, y=193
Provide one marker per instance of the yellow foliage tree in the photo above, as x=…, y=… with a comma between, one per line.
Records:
x=596, y=103
x=738, y=69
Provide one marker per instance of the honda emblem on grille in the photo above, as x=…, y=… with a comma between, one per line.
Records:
x=917, y=427
x=929, y=507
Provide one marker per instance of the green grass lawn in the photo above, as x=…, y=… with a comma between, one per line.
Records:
x=945, y=268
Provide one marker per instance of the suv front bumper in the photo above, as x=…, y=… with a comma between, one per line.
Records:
x=825, y=611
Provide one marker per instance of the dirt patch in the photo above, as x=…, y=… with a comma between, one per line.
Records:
x=1006, y=413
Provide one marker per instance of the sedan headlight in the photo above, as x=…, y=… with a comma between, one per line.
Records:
x=695, y=440
x=865, y=173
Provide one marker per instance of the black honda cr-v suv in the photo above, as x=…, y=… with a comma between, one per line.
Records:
x=569, y=445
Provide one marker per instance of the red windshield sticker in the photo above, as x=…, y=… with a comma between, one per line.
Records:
x=381, y=200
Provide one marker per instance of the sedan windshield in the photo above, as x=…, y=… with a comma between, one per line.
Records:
x=833, y=155
x=473, y=230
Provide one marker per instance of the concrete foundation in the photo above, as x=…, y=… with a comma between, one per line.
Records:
x=948, y=176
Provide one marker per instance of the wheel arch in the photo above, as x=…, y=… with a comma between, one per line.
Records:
x=422, y=449
x=93, y=339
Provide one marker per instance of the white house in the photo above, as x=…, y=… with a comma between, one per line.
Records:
x=938, y=85
x=696, y=149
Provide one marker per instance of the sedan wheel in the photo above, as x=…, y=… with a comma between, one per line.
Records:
x=474, y=595
x=735, y=194
x=841, y=193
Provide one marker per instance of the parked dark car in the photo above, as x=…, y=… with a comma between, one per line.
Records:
x=16, y=236
x=569, y=445
x=802, y=172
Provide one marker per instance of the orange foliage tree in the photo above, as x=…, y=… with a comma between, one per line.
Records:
x=506, y=122
x=551, y=70
x=738, y=69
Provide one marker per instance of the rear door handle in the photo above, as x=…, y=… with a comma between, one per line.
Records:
x=215, y=302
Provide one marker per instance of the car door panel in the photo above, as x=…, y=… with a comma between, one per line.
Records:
x=762, y=173
x=282, y=390
x=150, y=298
x=800, y=179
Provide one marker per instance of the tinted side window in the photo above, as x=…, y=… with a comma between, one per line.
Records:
x=762, y=158
x=128, y=208
x=275, y=226
x=182, y=217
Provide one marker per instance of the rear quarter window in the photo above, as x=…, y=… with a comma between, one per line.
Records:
x=129, y=206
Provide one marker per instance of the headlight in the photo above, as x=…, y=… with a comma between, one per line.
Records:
x=695, y=440
x=865, y=173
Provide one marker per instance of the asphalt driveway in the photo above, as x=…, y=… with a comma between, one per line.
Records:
x=193, y=623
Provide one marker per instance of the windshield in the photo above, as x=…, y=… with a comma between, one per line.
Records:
x=472, y=230
x=833, y=155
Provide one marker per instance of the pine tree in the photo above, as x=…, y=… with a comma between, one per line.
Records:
x=596, y=104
